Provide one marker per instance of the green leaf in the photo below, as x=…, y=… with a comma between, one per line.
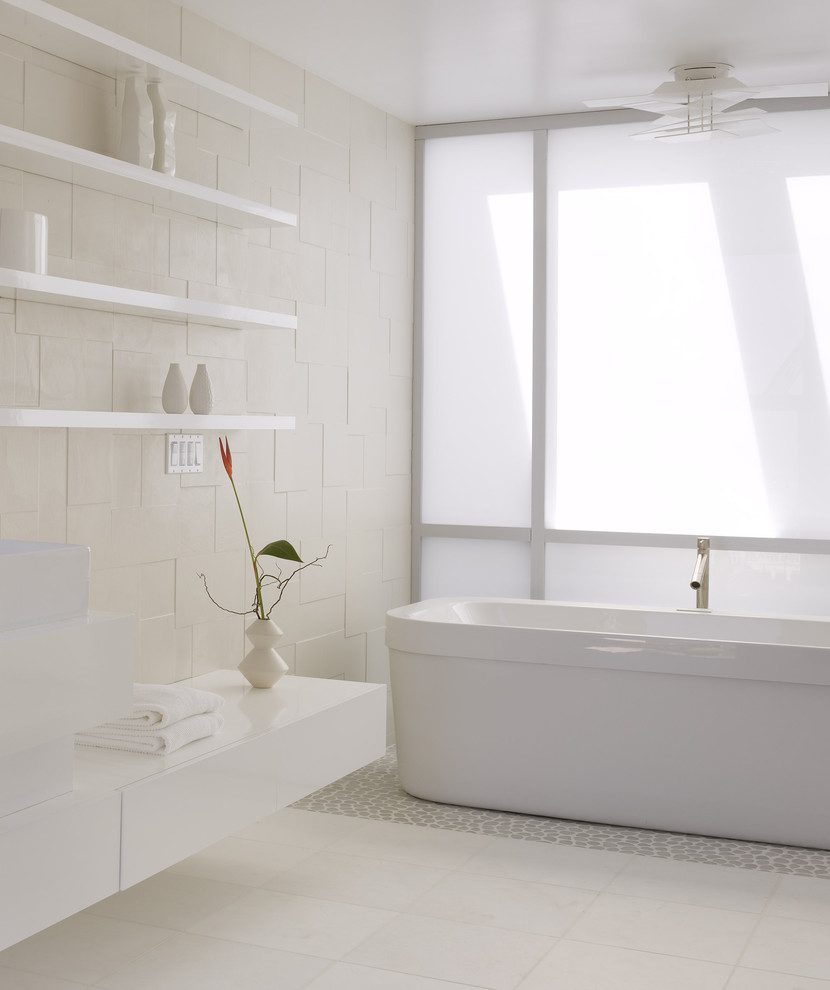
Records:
x=281, y=549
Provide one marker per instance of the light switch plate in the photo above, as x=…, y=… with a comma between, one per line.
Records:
x=185, y=453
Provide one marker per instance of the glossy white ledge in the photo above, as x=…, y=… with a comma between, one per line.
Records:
x=277, y=745
x=68, y=163
x=51, y=29
x=103, y=420
x=114, y=299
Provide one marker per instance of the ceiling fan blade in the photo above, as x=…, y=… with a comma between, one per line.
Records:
x=618, y=101
x=790, y=89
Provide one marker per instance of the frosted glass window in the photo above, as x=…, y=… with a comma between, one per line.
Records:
x=482, y=568
x=683, y=395
x=477, y=329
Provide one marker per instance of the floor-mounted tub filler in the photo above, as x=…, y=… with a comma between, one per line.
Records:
x=697, y=722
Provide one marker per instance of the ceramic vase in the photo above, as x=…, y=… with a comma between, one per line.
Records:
x=263, y=666
x=164, y=125
x=174, y=393
x=137, y=141
x=201, y=391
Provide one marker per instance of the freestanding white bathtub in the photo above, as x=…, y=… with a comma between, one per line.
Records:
x=695, y=722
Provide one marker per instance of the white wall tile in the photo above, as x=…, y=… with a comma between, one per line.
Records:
x=158, y=589
x=19, y=477
x=215, y=51
x=115, y=589
x=19, y=526
x=348, y=173
x=91, y=526
x=51, y=494
x=75, y=374
x=90, y=467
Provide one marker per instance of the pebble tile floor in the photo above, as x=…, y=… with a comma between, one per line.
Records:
x=361, y=887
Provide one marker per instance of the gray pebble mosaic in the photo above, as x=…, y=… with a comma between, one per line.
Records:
x=375, y=793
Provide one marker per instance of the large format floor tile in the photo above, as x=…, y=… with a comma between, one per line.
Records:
x=492, y=958
x=412, y=844
x=518, y=905
x=358, y=880
x=294, y=924
x=684, y=930
x=789, y=945
x=84, y=948
x=193, y=962
x=580, y=966
x=310, y=901
x=696, y=883
x=568, y=866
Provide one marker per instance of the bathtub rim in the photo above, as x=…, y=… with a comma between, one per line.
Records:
x=425, y=629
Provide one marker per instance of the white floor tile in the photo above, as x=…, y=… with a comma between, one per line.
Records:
x=685, y=930
x=453, y=951
x=15, y=980
x=788, y=945
x=242, y=861
x=520, y=905
x=294, y=924
x=579, y=966
x=566, y=866
x=294, y=827
x=802, y=897
x=754, y=979
x=169, y=900
x=192, y=962
x=438, y=848
x=358, y=880
x=83, y=949
x=347, y=976
x=695, y=883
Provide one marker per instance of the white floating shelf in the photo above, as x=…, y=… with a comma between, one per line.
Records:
x=114, y=299
x=68, y=163
x=90, y=420
x=51, y=29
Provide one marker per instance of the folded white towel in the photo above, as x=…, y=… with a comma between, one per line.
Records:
x=154, y=739
x=158, y=705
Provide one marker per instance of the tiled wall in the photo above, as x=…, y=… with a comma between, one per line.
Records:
x=342, y=477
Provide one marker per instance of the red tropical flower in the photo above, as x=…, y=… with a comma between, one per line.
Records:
x=227, y=460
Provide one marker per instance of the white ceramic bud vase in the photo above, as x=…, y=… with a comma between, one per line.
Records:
x=174, y=393
x=201, y=391
x=164, y=126
x=262, y=665
x=137, y=142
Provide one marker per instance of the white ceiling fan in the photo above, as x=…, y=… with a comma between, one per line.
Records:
x=695, y=106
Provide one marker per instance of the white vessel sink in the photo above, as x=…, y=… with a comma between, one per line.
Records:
x=62, y=668
x=42, y=582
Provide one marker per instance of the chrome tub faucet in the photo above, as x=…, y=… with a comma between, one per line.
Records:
x=700, y=575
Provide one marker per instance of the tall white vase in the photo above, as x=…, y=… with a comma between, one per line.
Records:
x=174, y=393
x=201, y=391
x=137, y=141
x=262, y=665
x=164, y=126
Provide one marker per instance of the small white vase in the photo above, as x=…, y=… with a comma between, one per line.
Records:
x=174, y=393
x=201, y=391
x=164, y=125
x=262, y=665
x=137, y=141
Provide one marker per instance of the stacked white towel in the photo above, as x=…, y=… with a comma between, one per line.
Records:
x=164, y=718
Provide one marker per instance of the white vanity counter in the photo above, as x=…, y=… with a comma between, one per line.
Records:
x=131, y=815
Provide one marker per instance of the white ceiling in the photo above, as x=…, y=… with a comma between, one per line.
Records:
x=435, y=61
